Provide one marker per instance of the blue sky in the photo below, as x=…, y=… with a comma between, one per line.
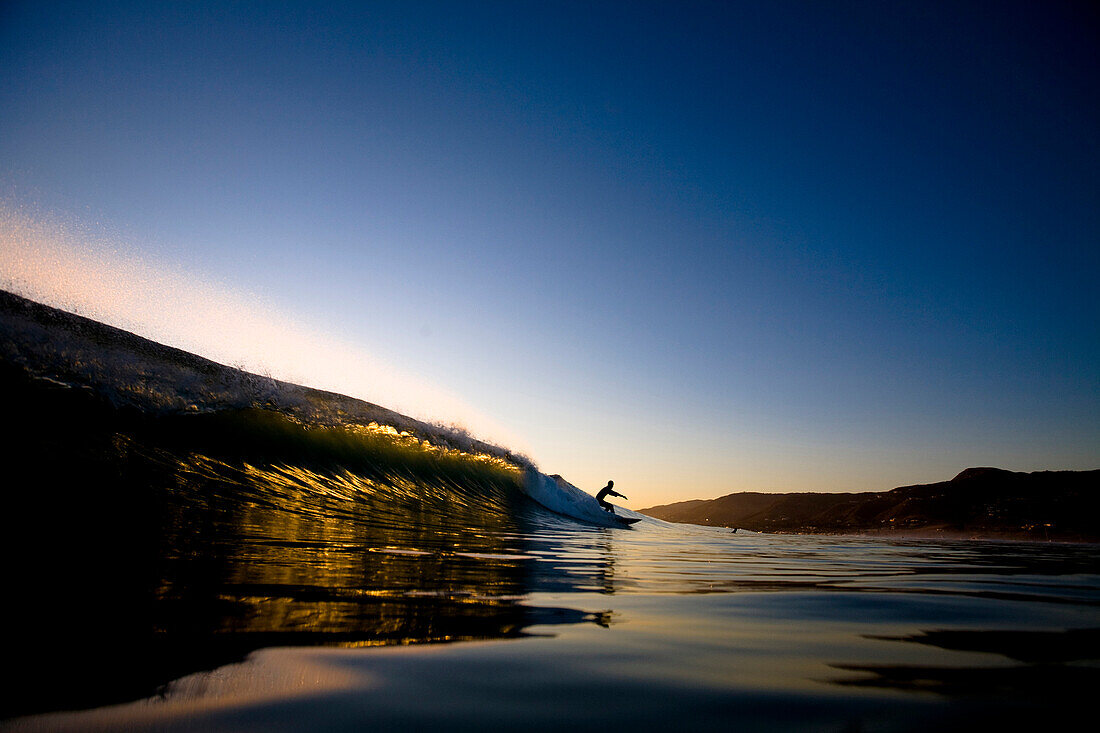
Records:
x=694, y=247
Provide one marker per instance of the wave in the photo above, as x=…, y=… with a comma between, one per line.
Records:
x=189, y=539
x=194, y=512
x=134, y=372
x=210, y=420
x=562, y=497
x=262, y=456
x=270, y=457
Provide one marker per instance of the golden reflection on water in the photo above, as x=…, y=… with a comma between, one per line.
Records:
x=210, y=545
x=288, y=550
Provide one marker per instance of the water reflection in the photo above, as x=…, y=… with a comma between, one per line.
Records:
x=1050, y=671
x=133, y=562
x=237, y=557
x=1036, y=684
x=686, y=559
x=1031, y=646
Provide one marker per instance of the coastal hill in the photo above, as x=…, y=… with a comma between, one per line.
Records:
x=979, y=502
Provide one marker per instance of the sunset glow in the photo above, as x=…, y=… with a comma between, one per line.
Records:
x=84, y=272
x=534, y=367
x=838, y=253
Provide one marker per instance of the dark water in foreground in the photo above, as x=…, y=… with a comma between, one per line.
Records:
x=282, y=599
x=229, y=568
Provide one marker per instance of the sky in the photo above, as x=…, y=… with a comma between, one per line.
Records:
x=696, y=248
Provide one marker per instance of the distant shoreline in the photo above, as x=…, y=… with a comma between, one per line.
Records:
x=978, y=503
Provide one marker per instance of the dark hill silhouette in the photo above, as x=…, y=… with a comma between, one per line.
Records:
x=983, y=501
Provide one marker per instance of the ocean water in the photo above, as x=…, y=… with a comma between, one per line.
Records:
x=280, y=597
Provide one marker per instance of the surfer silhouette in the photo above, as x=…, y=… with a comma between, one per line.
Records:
x=608, y=491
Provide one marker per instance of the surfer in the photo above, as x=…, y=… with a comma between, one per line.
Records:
x=608, y=491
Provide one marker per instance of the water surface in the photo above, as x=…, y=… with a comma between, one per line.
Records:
x=277, y=597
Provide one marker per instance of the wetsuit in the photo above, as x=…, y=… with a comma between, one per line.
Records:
x=607, y=491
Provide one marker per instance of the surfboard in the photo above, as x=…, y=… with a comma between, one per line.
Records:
x=627, y=520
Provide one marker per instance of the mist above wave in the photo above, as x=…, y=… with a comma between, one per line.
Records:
x=136, y=372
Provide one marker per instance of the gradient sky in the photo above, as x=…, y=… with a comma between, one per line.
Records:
x=694, y=247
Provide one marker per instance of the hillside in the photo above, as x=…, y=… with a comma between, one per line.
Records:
x=983, y=502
